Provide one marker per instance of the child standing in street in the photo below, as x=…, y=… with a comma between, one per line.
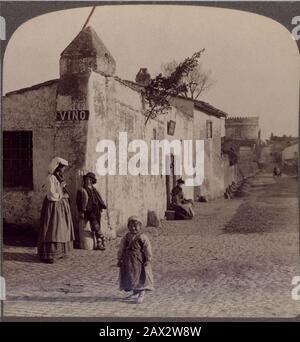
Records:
x=90, y=205
x=134, y=260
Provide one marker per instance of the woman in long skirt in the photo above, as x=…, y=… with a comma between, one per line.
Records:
x=56, y=233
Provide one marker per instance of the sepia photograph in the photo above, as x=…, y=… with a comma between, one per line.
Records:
x=150, y=164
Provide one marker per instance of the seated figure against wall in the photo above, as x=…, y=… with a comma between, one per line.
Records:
x=182, y=206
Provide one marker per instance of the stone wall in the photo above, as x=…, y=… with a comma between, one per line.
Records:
x=247, y=161
x=114, y=108
x=70, y=140
x=231, y=173
x=32, y=109
x=213, y=185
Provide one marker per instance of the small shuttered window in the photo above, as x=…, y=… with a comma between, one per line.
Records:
x=17, y=159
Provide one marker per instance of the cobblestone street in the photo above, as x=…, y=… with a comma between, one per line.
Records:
x=237, y=258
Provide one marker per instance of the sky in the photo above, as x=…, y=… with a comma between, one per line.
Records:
x=254, y=60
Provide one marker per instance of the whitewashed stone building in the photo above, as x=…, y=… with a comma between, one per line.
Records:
x=66, y=117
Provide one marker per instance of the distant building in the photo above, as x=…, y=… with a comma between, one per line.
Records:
x=242, y=128
x=289, y=157
x=279, y=143
x=209, y=125
x=243, y=135
x=290, y=154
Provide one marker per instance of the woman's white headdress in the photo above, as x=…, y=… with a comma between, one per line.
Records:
x=55, y=162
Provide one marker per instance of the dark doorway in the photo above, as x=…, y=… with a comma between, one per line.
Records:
x=170, y=179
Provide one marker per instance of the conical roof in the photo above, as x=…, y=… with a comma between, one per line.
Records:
x=87, y=50
x=87, y=43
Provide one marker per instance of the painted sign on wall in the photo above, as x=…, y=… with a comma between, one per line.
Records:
x=72, y=115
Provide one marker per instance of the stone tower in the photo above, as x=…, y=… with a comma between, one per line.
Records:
x=86, y=52
x=84, y=56
x=242, y=128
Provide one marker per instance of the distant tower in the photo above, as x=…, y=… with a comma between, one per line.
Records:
x=85, y=53
x=143, y=77
x=242, y=128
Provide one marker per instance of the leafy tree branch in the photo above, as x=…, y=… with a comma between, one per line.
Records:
x=161, y=88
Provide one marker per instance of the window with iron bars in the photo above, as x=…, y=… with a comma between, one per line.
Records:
x=17, y=159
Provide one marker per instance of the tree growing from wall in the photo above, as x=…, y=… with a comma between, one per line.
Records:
x=161, y=88
x=197, y=81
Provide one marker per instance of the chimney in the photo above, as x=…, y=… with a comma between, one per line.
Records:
x=143, y=77
x=86, y=52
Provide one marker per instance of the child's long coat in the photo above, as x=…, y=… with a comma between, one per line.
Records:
x=134, y=251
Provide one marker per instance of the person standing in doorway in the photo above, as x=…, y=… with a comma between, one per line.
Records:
x=90, y=205
x=56, y=232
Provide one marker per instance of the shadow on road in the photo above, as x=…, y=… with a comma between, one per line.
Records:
x=22, y=257
x=19, y=235
x=70, y=299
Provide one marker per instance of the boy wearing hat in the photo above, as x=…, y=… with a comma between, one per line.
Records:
x=90, y=205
